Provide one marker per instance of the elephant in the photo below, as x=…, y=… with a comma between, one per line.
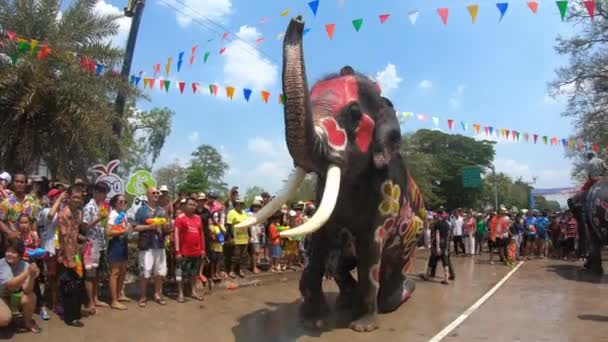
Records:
x=371, y=212
x=591, y=213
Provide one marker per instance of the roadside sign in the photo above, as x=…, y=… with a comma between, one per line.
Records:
x=471, y=177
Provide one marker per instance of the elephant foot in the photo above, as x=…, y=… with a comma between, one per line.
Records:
x=366, y=323
x=345, y=300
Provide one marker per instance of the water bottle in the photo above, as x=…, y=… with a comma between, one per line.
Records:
x=178, y=274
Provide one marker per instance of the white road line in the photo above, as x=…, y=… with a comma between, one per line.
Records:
x=443, y=333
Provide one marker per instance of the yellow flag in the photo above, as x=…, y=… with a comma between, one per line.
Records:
x=284, y=13
x=33, y=45
x=146, y=81
x=230, y=92
x=168, y=66
x=473, y=9
x=280, y=35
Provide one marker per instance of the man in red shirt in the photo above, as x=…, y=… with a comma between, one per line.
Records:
x=189, y=248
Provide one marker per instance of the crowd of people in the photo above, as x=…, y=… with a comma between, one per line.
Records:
x=60, y=242
x=509, y=235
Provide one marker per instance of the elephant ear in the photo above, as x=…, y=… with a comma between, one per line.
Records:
x=387, y=136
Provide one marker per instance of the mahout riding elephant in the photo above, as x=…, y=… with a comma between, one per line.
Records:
x=591, y=213
x=348, y=134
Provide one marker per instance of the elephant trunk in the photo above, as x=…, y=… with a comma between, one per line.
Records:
x=299, y=130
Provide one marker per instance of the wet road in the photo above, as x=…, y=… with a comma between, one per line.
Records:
x=545, y=300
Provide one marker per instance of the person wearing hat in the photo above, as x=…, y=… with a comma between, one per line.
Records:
x=5, y=181
x=237, y=240
x=94, y=213
x=165, y=200
x=499, y=234
x=232, y=196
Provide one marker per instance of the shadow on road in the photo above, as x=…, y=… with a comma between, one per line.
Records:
x=596, y=318
x=281, y=322
x=577, y=273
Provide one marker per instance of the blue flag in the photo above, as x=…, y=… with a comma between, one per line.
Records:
x=247, y=93
x=502, y=7
x=314, y=6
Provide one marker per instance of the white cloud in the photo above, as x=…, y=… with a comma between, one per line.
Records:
x=124, y=23
x=205, y=10
x=193, y=137
x=455, y=100
x=245, y=66
x=545, y=178
x=425, y=84
x=388, y=79
x=261, y=146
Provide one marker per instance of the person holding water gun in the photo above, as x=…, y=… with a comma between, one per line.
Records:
x=118, y=252
x=275, y=243
x=217, y=233
x=152, y=258
x=70, y=264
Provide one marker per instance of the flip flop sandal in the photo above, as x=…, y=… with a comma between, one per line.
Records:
x=142, y=303
x=118, y=307
x=242, y=274
x=198, y=298
x=445, y=283
x=160, y=301
x=181, y=300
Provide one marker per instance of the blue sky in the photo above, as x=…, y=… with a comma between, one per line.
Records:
x=491, y=73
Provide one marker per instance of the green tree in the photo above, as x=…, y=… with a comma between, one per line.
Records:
x=209, y=160
x=196, y=180
x=52, y=109
x=584, y=79
x=250, y=194
x=307, y=190
x=436, y=160
x=543, y=204
x=171, y=175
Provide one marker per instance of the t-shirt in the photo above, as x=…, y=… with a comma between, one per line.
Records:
x=7, y=273
x=530, y=226
x=275, y=237
x=240, y=235
x=11, y=209
x=150, y=239
x=541, y=224
x=216, y=245
x=189, y=238
x=49, y=236
x=456, y=224
x=571, y=228
x=481, y=227
x=256, y=231
x=96, y=233
x=499, y=227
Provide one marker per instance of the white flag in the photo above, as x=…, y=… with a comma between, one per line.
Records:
x=413, y=17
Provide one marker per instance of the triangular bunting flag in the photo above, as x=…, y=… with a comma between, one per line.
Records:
x=230, y=92
x=181, y=85
x=222, y=50
x=563, y=8
x=33, y=45
x=99, y=69
x=146, y=82
x=214, y=88
x=590, y=5
x=464, y=125
x=545, y=139
x=476, y=128
x=595, y=148
x=406, y=115
x=533, y=6
x=161, y=83
x=527, y=137
x=507, y=132
x=473, y=10
x=132, y=79
x=23, y=46
x=259, y=40
x=265, y=96
x=168, y=66
x=413, y=15
x=491, y=130
x=284, y=13
x=330, y=30
x=384, y=18
x=11, y=35
x=247, y=93
x=167, y=85
x=502, y=7
x=314, y=6
x=357, y=23
x=206, y=56
x=43, y=52
x=421, y=117
x=450, y=124
x=180, y=56
x=436, y=120
x=281, y=99
x=280, y=35
x=194, y=87
x=193, y=50
x=443, y=13
x=225, y=35
x=564, y=143
x=14, y=58
x=179, y=64
x=151, y=81
x=535, y=138
x=486, y=130
x=192, y=59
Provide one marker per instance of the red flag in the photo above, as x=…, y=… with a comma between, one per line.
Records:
x=156, y=69
x=590, y=5
x=151, y=82
x=507, y=133
x=596, y=148
x=486, y=130
x=535, y=138
x=162, y=84
x=330, y=30
x=192, y=59
x=194, y=87
x=527, y=137
x=443, y=13
x=11, y=35
x=222, y=50
x=265, y=96
x=225, y=35
x=384, y=18
x=182, y=85
x=194, y=49
x=43, y=52
x=533, y=6
x=450, y=124
x=259, y=40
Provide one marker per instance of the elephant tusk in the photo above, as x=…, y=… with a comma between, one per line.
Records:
x=294, y=181
x=326, y=208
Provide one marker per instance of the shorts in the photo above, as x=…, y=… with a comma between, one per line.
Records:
x=498, y=243
x=529, y=238
x=190, y=266
x=118, y=251
x=152, y=261
x=101, y=266
x=50, y=263
x=542, y=235
x=216, y=256
x=255, y=247
x=275, y=251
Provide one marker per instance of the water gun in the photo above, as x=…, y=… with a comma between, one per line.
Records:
x=157, y=221
x=218, y=235
x=33, y=253
x=78, y=268
x=282, y=228
x=104, y=211
x=118, y=224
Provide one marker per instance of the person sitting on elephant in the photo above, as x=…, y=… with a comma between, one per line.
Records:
x=595, y=169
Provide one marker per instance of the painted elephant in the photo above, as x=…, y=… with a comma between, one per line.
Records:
x=348, y=134
x=591, y=212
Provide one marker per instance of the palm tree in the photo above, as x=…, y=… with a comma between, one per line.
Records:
x=52, y=110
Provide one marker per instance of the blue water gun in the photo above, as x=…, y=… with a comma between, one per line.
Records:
x=120, y=218
x=34, y=253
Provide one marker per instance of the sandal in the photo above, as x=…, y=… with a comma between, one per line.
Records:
x=181, y=300
x=197, y=297
x=445, y=282
x=118, y=307
x=242, y=274
x=160, y=301
x=142, y=303
x=34, y=329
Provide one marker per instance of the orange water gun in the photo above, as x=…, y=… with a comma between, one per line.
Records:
x=157, y=221
x=79, y=267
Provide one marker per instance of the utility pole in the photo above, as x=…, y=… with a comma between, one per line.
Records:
x=135, y=10
x=495, y=187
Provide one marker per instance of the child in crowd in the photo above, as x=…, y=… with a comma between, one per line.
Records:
x=275, y=244
x=32, y=241
x=217, y=247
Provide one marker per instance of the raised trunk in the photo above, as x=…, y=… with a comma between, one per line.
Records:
x=299, y=130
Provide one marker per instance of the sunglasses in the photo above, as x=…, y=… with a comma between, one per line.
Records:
x=156, y=193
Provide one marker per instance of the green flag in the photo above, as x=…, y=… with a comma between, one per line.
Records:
x=563, y=7
x=14, y=58
x=211, y=89
x=357, y=23
x=206, y=56
x=23, y=46
x=167, y=84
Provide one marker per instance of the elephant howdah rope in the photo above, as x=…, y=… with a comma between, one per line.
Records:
x=371, y=212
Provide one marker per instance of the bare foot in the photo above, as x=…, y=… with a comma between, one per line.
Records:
x=101, y=304
x=365, y=324
x=118, y=306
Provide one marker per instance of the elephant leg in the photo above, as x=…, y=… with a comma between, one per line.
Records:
x=368, y=270
x=345, y=280
x=314, y=306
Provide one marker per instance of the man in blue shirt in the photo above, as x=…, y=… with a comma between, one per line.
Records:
x=542, y=224
x=529, y=234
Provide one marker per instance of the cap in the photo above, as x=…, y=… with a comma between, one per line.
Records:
x=163, y=188
x=54, y=193
x=200, y=196
x=292, y=213
x=238, y=200
x=6, y=176
x=256, y=203
x=212, y=194
x=79, y=181
x=37, y=179
x=61, y=182
x=258, y=198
